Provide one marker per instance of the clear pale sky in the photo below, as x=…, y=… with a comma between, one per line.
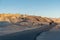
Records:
x=49, y=8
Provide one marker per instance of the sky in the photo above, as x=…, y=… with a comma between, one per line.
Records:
x=47, y=8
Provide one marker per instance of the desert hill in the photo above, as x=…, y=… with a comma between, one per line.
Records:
x=14, y=18
x=57, y=20
x=19, y=21
x=10, y=23
x=25, y=20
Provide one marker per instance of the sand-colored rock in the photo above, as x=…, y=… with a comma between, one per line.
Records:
x=19, y=18
x=57, y=20
x=14, y=18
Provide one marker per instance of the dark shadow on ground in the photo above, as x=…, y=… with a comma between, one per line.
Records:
x=4, y=24
x=27, y=34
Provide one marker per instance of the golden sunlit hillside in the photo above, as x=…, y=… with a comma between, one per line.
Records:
x=13, y=18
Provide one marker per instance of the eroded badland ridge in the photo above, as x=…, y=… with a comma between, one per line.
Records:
x=14, y=20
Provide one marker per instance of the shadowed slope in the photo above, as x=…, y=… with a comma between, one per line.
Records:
x=27, y=34
x=16, y=22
